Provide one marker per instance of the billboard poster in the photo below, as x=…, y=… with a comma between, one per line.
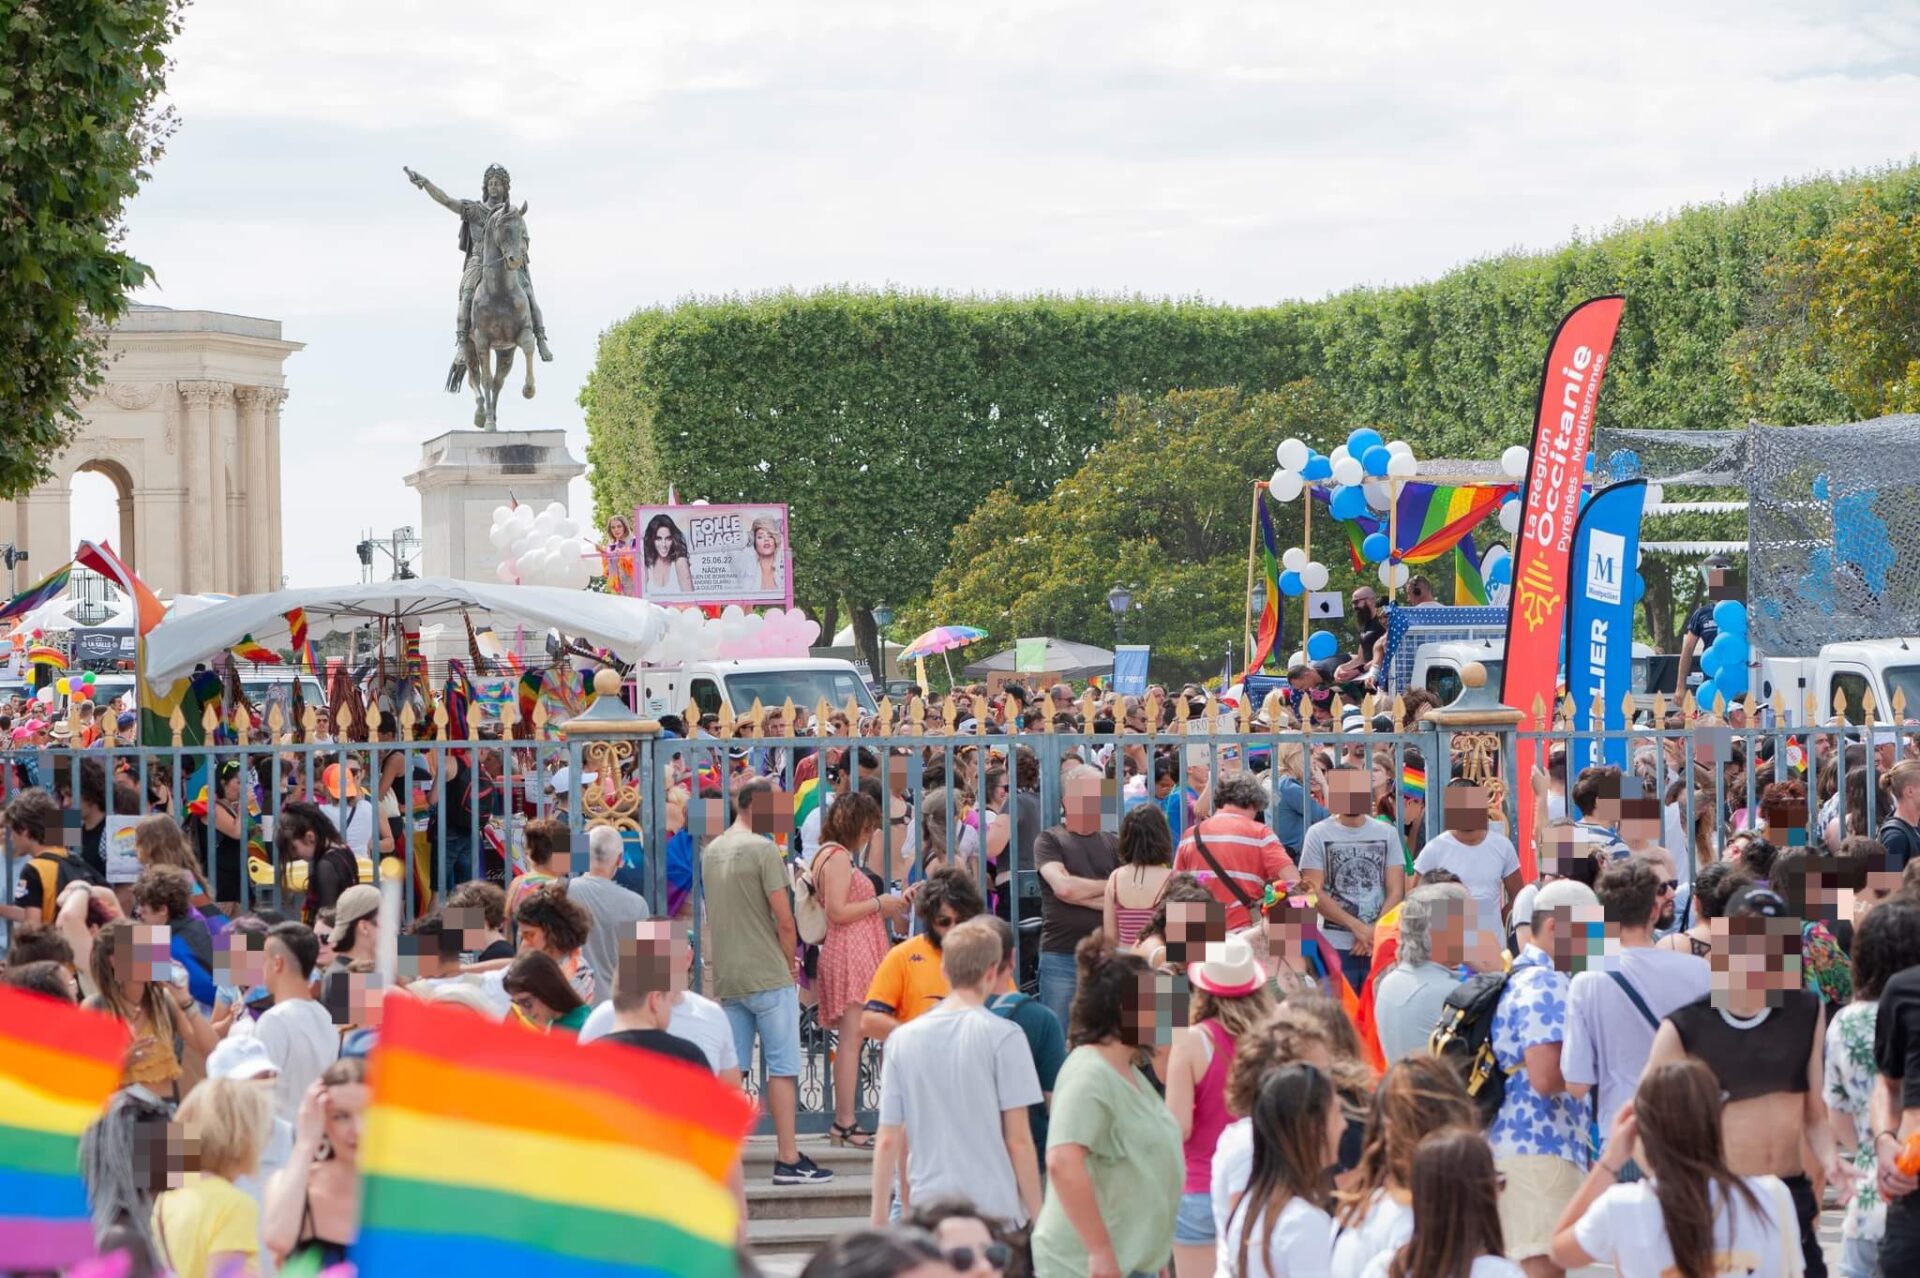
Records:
x=1606, y=546
x=1570, y=381
x=713, y=555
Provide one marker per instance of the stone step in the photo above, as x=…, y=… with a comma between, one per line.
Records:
x=774, y=1236
x=848, y=1194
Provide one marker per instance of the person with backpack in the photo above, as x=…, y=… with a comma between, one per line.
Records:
x=1613, y=1013
x=305, y=833
x=1538, y=1132
x=1900, y=832
x=47, y=866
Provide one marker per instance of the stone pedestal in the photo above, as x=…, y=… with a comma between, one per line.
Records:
x=463, y=475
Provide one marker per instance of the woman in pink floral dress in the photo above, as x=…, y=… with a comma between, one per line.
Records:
x=856, y=942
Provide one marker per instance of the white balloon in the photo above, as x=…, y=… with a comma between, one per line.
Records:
x=1285, y=485
x=567, y=527
x=1510, y=517
x=1347, y=472
x=1339, y=455
x=1399, y=447
x=1655, y=495
x=501, y=514
x=1314, y=576
x=500, y=536
x=520, y=545
x=1514, y=462
x=1293, y=559
x=1379, y=493
x=558, y=509
x=543, y=525
x=1402, y=466
x=1292, y=454
x=1393, y=575
x=505, y=572
x=525, y=515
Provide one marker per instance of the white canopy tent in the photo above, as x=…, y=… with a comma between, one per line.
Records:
x=631, y=627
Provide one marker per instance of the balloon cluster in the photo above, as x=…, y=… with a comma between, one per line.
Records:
x=735, y=633
x=76, y=687
x=1724, y=663
x=1300, y=574
x=543, y=549
x=1362, y=471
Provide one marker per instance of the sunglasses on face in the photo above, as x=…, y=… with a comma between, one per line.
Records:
x=996, y=1255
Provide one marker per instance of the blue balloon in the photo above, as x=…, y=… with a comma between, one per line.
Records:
x=1349, y=503
x=1317, y=467
x=1374, y=461
x=1375, y=548
x=1290, y=583
x=1501, y=574
x=1731, y=682
x=1363, y=439
x=1709, y=662
x=1731, y=616
x=1732, y=650
x=1321, y=644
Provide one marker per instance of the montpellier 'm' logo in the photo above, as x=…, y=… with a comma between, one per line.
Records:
x=1606, y=555
x=1537, y=599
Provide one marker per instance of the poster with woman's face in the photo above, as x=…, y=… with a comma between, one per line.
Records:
x=714, y=555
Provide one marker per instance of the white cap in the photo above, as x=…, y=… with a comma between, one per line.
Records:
x=240, y=1058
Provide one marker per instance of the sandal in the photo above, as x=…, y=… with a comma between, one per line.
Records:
x=850, y=1136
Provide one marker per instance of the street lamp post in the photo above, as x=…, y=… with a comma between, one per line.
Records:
x=882, y=618
x=1119, y=599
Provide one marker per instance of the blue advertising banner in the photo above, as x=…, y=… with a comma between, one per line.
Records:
x=1130, y=670
x=1600, y=602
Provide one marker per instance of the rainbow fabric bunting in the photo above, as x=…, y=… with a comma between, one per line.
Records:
x=490, y=1149
x=1431, y=519
x=1413, y=782
x=43, y=655
x=529, y=693
x=250, y=649
x=47, y=588
x=1267, y=629
x=58, y=1067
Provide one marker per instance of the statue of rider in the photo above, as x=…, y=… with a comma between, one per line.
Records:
x=496, y=189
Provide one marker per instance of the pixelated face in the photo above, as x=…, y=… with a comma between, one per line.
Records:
x=161, y=1154
x=358, y=1000
x=1285, y=926
x=1191, y=927
x=770, y=811
x=655, y=959
x=1147, y=1020
x=1466, y=809
x=1606, y=803
x=1577, y=938
x=1755, y=953
x=1822, y=876
x=240, y=959
x=1786, y=821
x=1083, y=797
x=1348, y=793
x=143, y=954
x=1881, y=884
x=1640, y=819
x=1448, y=931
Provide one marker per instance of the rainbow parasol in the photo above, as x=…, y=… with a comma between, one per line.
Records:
x=942, y=640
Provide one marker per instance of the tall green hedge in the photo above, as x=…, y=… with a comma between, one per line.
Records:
x=885, y=418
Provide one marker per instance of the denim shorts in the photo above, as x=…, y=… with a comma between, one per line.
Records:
x=774, y=1017
x=1193, y=1227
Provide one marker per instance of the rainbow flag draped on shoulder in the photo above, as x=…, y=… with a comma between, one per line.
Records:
x=58, y=1066
x=492, y=1149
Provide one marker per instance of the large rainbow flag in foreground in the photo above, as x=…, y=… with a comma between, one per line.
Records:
x=58, y=1066
x=491, y=1149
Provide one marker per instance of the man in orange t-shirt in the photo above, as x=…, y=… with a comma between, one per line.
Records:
x=1240, y=842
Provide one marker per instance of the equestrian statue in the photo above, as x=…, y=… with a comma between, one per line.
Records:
x=498, y=313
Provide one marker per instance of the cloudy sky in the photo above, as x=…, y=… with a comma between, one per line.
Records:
x=1240, y=150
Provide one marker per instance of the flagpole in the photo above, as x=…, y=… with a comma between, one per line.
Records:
x=1253, y=538
x=1306, y=546
x=1393, y=537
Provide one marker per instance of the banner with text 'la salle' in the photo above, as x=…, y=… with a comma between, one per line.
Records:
x=1577, y=360
x=1606, y=548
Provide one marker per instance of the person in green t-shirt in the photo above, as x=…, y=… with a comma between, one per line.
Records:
x=1114, y=1163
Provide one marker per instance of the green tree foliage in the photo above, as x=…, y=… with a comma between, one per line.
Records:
x=1163, y=507
x=885, y=419
x=78, y=89
x=888, y=418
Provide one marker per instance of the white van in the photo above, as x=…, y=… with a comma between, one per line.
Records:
x=772, y=681
x=1889, y=669
x=1437, y=666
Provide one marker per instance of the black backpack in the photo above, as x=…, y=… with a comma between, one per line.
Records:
x=1464, y=1039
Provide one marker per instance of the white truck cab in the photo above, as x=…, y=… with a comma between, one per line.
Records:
x=772, y=681
x=1888, y=669
x=1437, y=666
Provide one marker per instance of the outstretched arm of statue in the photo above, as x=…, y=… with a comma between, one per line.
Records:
x=439, y=195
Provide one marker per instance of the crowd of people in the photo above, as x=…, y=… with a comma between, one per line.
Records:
x=1233, y=1012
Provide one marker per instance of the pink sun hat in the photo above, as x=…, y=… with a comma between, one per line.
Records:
x=1229, y=970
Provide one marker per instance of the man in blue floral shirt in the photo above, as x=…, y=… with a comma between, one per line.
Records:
x=1540, y=1136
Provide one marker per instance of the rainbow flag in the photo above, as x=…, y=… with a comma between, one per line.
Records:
x=301, y=640
x=490, y=1149
x=1267, y=629
x=1431, y=519
x=47, y=588
x=1413, y=782
x=249, y=649
x=1469, y=585
x=148, y=610
x=457, y=696
x=806, y=797
x=58, y=1067
x=43, y=655
x=529, y=693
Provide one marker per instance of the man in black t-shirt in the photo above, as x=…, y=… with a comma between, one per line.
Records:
x=1901, y=832
x=1895, y=1112
x=1700, y=630
x=643, y=999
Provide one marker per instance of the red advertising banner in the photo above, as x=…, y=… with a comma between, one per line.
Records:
x=1577, y=359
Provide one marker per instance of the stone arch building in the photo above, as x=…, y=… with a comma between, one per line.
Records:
x=187, y=427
